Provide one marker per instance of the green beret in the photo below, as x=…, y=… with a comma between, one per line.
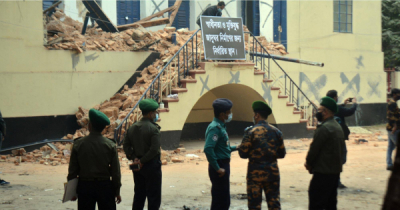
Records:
x=261, y=106
x=98, y=118
x=148, y=105
x=330, y=104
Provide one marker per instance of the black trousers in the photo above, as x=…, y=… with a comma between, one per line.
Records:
x=148, y=185
x=323, y=191
x=220, y=193
x=92, y=192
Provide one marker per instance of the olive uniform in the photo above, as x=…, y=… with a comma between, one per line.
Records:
x=94, y=159
x=218, y=152
x=262, y=145
x=142, y=141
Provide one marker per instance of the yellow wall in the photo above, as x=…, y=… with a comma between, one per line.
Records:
x=35, y=81
x=311, y=37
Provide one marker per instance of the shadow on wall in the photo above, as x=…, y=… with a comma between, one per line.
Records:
x=202, y=112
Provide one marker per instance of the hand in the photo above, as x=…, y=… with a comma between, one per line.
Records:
x=309, y=168
x=346, y=101
x=74, y=198
x=221, y=172
x=354, y=100
x=394, y=128
x=137, y=162
x=118, y=199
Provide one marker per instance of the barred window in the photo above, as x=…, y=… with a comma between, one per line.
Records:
x=343, y=16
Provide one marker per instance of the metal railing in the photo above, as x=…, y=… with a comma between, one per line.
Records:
x=262, y=59
x=177, y=68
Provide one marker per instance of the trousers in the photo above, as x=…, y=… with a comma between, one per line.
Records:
x=148, y=185
x=322, y=192
x=92, y=192
x=271, y=190
x=220, y=191
x=392, y=142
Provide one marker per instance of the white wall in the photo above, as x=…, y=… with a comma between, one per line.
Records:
x=110, y=8
x=149, y=8
x=75, y=8
x=266, y=19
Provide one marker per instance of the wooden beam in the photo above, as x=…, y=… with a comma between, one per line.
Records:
x=158, y=14
x=51, y=7
x=145, y=24
x=172, y=17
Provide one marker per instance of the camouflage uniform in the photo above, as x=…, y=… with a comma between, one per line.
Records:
x=393, y=117
x=263, y=144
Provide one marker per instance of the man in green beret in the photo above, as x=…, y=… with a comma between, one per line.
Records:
x=324, y=159
x=94, y=159
x=262, y=145
x=142, y=146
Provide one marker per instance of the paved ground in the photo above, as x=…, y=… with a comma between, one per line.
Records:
x=35, y=186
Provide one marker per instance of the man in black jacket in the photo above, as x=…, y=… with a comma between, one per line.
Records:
x=2, y=134
x=340, y=117
x=212, y=11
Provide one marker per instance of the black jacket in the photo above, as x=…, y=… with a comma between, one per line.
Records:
x=342, y=113
x=2, y=127
x=211, y=11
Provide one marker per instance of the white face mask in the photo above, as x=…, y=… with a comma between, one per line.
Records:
x=254, y=120
x=229, y=118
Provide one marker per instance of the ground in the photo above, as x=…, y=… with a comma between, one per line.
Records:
x=35, y=186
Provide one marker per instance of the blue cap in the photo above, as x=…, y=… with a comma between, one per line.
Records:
x=222, y=105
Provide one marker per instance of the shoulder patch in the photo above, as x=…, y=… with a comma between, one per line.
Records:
x=215, y=137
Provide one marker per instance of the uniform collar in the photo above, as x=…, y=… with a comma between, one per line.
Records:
x=95, y=133
x=219, y=121
x=327, y=120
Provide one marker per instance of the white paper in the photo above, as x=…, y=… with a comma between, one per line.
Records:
x=70, y=190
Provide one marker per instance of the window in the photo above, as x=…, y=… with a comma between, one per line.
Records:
x=343, y=16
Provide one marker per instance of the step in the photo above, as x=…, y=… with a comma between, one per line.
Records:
x=193, y=73
x=275, y=88
x=303, y=121
x=283, y=96
x=289, y=104
x=311, y=128
x=179, y=90
x=232, y=64
x=163, y=110
x=268, y=80
x=259, y=72
x=296, y=112
x=185, y=81
x=202, y=65
x=166, y=101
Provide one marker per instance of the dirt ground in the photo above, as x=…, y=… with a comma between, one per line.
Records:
x=35, y=186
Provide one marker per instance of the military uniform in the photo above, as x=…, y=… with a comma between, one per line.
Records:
x=393, y=117
x=142, y=141
x=94, y=159
x=218, y=152
x=263, y=145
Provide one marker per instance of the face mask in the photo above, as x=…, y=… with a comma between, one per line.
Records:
x=319, y=116
x=156, y=118
x=219, y=10
x=229, y=118
x=254, y=121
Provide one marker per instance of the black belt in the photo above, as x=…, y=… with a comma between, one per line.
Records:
x=94, y=179
x=228, y=160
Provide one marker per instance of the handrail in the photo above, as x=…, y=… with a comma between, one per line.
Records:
x=118, y=129
x=286, y=74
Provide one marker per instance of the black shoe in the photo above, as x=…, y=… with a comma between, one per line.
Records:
x=389, y=168
x=2, y=182
x=341, y=186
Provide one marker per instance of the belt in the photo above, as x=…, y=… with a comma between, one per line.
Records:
x=94, y=179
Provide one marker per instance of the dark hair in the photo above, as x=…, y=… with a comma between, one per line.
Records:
x=263, y=114
x=221, y=3
x=217, y=112
x=332, y=93
x=394, y=91
x=97, y=127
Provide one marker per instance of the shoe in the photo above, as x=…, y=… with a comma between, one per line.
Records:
x=2, y=182
x=341, y=186
x=389, y=168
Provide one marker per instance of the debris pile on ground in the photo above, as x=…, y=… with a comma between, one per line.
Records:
x=271, y=47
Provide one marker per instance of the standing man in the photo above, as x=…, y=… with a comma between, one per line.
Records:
x=142, y=146
x=324, y=159
x=2, y=135
x=94, y=159
x=393, y=126
x=212, y=11
x=262, y=145
x=340, y=118
x=218, y=151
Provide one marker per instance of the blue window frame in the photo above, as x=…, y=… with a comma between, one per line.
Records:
x=343, y=16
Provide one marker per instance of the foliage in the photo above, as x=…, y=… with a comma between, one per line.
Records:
x=391, y=32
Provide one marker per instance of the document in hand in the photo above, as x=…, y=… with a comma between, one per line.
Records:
x=70, y=189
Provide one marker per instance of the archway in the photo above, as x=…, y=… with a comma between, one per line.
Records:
x=202, y=112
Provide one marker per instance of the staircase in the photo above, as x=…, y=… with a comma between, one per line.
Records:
x=178, y=76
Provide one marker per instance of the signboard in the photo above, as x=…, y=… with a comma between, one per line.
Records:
x=223, y=38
